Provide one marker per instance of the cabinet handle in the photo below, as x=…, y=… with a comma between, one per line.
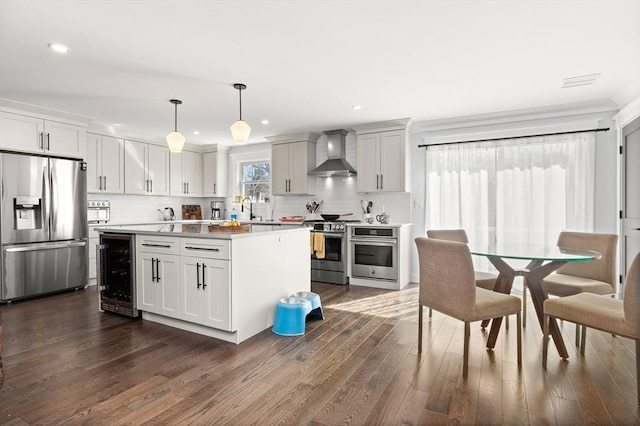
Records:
x=41, y=140
x=214, y=188
x=203, y=284
x=146, y=185
x=48, y=140
x=187, y=187
x=184, y=188
x=156, y=245
x=201, y=248
x=157, y=270
x=151, y=183
x=381, y=181
x=100, y=182
x=105, y=183
x=153, y=268
x=377, y=181
x=198, y=274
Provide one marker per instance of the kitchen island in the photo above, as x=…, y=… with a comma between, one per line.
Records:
x=219, y=284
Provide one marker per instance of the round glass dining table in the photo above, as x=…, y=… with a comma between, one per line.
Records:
x=543, y=260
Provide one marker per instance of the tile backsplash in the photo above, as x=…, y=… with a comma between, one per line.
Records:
x=140, y=208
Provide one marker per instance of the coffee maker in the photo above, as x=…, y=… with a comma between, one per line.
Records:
x=217, y=209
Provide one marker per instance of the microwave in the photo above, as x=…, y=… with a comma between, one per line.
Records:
x=98, y=211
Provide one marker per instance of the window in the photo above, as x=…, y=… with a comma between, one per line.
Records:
x=255, y=180
x=515, y=190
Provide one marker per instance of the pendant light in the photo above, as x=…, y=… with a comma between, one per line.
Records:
x=175, y=140
x=240, y=130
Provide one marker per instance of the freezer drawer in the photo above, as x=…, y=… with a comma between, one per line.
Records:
x=34, y=269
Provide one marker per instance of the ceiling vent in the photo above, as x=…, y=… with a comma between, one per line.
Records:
x=581, y=80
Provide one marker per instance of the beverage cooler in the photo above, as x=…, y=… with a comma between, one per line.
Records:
x=117, y=274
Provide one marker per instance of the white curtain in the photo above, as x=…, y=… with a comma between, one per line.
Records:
x=523, y=190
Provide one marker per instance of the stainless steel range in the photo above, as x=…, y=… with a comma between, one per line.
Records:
x=333, y=267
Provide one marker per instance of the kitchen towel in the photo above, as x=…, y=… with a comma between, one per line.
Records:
x=318, y=244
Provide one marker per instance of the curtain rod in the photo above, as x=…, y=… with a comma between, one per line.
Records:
x=602, y=129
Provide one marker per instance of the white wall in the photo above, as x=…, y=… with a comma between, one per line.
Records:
x=606, y=192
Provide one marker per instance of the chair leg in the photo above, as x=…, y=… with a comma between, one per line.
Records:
x=506, y=322
x=430, y=312
x=583, y=340
x=420, y=327
x=577, y=335
x=465, y=356
x=519, y=334
x=524, y=302
x=545, y=339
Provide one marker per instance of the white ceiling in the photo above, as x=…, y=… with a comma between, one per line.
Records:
x=306, y=63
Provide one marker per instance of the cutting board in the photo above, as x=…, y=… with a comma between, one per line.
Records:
x=191, y=212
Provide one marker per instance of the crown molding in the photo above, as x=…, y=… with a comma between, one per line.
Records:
x=561, y=110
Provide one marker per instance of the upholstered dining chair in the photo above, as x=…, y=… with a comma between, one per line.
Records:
x=485, y=280
x=620, y=317
x=447, y=285
x=596, y=276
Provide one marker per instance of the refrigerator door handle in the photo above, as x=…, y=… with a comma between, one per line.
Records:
x=45, y=246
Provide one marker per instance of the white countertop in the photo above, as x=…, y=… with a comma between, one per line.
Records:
x=193, y=228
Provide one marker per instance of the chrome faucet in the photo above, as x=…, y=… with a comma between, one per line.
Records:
x=251, y=216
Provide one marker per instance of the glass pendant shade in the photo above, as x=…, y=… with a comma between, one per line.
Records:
x=175, y=140
x=240, y=132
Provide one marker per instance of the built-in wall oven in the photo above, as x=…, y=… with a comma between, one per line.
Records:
x=374, y=252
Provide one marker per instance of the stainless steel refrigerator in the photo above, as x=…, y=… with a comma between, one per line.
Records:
x=43, y=225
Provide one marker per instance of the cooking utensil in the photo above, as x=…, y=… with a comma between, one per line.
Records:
x=330, y=217
x=369, y=206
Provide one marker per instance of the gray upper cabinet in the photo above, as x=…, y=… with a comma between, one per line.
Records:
x=42, y=136
x=292, y=158
x=105, y=164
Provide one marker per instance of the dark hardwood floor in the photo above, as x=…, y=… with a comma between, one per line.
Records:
x=67, y=363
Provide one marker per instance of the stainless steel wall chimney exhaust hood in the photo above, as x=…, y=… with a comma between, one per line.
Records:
x=336, y=164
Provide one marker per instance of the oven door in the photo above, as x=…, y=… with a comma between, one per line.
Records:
x=334, y=254
x=374, y=258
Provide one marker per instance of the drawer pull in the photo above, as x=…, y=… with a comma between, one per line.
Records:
x=201, y=248
x=156, y=245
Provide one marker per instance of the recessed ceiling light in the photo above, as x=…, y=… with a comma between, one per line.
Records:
x=581, y=80
x=59, y=48
x=196, y=132
x=265, y=122
x=356, y=107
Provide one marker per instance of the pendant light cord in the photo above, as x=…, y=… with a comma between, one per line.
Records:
x=176, y=120
x=240, y=90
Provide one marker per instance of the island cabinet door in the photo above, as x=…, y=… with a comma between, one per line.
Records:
x=216, y=279
x=158, y=284
x=191, y=294
x=147, y=287
x=168, y=279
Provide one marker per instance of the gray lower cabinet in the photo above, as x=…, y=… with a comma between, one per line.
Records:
x=158, y=275
x=206, y=283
